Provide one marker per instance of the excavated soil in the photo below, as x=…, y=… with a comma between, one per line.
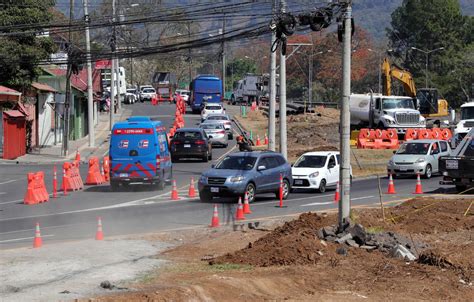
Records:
x=291, y=263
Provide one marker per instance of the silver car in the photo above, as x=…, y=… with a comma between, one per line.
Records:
x=418, y=157
x=216, y=133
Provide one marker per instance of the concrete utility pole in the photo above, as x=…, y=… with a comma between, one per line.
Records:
x=273, y=92
x=90, y=97
x=112, y=69
x=310, y=77
x=223, y=57
x=67, y=100
x=345, y=151
x=283, y=134
x=190, y=62
x=117, y=70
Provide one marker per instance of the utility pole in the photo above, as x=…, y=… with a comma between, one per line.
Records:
x=67, y=100
x=283, y=134
x=310, y=78
x=190, y=59
x=223, y=57
x=112, y=69
x=117, y=70
x=272, y=102
x=90, y=97
x=345, y=168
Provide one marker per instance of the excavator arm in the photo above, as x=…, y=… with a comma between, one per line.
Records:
x=403, y=76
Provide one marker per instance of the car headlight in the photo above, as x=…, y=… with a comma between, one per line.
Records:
x=390, y=162
x=423, y=122
x=420, y=160
x=236, y=178
x=313, y=175
x=203, y=179
x=390, y=122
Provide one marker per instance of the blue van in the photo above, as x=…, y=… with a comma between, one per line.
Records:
x=205, y=89
x=139, y=153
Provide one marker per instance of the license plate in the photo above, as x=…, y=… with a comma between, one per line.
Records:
x=214, y=190
x=403, y=169
x=451, y=164
x=123, y=175
x=298, y=182
x=187, y=146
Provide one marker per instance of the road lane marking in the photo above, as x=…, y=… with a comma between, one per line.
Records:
x=11, y=201
x=9, y=181
x=359, y=198
x=1, y=193
x=24, y=238
x=316, y=204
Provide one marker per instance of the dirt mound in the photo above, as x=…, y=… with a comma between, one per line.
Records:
x=293, y=243
x=431, y=216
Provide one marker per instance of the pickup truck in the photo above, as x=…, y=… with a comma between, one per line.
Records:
x=458, y=168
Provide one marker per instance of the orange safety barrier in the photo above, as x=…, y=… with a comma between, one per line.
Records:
x=106, y=165
x=424, y=134
x=377, y=139
x=76, y=174
x=94, y=176
x=36, y=190
x=436, y=133
x=421, y=133
x=446, y=134
x=72, y=180
x=367, y=139
x=411, y=133
x=389, y=139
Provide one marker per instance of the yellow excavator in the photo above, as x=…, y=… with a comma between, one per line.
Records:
x=430, y=105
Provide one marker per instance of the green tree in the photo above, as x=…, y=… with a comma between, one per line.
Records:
x=21, y=49
x=428, y=25
x=237, y=69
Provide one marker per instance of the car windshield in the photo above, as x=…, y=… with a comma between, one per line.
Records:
x=149, y=90
x=398, y=104
x=237, y=163
x=310, y=161
x=213, y=108
x=212, y=126
x=188, y=135
x=467, y=113
x=414, y=148
x=218, y=118
x=131, y=90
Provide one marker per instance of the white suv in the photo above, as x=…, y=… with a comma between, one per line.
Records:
x=147, y=93
x=184, y=94
x=211, y=108
x=316, y=170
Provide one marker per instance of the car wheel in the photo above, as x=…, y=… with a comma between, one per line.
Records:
x=322, y=186
x=205, y=196
x=428, y=171
x=226, y=145
x=250, y=191
x=114, y=185
x=286, y=190
x=174, y=159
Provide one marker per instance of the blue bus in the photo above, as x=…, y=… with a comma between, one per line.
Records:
x=205, y=89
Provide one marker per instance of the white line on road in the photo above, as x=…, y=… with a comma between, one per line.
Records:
x=316, y=204
x=359, y=198
x=11, y=201
x=24, y=238
x=9, y=181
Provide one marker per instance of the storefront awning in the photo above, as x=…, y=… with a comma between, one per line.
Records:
x=9, y=95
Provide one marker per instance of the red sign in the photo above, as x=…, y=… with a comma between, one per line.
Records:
x=103, y=64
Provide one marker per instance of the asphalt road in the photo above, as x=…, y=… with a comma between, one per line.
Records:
x=143, y=209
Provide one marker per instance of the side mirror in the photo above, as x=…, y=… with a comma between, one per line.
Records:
x=394, y=151
x=330, y=166
x=210, y=136
x=261, y=168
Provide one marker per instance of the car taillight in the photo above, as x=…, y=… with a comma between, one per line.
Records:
x=176, y=142
x=158, y=162
x=200, y=142
x=221, y=132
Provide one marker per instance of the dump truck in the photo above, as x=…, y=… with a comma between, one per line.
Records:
x=165, y=84
x=252, y=87
x=466, y=122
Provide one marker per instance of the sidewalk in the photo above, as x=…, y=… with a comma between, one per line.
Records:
x=53, y=154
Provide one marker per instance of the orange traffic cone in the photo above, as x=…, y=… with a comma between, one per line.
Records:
x=99, y=235
x=192, y=190
x=258, y=141
x=78, y=156
x=55, y=182
x=391, y=186
x=247, y=205
x=418, y=189
x=281, y=193
x=215, y=218
x=337, y=196
x=266, y=139
x=240, y=211
x=37, y=242
x=174, y=192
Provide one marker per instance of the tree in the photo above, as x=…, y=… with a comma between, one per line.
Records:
x=429, y=25
x=21, y=50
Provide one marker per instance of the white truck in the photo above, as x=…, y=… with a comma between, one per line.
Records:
x=385, y=112
x=467, y=121
x=251, y=88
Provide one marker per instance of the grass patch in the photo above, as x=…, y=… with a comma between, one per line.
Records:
x=230, y=267
x=375, y=230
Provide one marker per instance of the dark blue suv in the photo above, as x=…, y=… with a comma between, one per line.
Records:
x=246, y=172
